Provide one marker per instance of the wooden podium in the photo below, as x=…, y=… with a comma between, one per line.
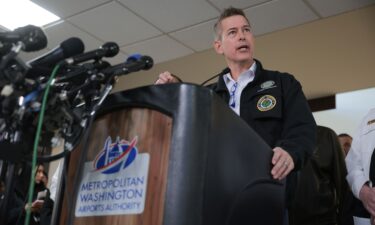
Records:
x=199, y=164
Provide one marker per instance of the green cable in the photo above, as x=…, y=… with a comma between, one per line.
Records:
x=36, y=142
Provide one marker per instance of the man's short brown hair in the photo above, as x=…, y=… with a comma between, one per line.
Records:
x=231, y=11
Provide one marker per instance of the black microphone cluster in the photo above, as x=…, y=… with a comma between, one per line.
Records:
x=31, y=38
x=76, y=81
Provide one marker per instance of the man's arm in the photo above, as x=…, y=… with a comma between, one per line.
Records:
x=367, y=196
x=298, y=136
x=356, y=177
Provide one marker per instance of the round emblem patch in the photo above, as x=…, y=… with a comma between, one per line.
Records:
x=266, y=102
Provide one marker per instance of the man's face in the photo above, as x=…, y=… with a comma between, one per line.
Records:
x=236, y=40
x=346, y=143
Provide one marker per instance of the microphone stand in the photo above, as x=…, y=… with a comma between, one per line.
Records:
x=58, y=204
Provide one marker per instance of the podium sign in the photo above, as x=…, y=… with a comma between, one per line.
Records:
x=166, y=155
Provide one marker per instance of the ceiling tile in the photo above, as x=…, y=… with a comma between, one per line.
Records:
x=67, y=8
x=277, y=15
x=63, y=30
x=138, y=26
x=171, y=15
x=113, y=22
x=222, y=4
x=161, y=49
x=119, y=58
x=199, y=37
x=333, y=7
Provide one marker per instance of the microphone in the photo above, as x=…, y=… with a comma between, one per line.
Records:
x=108, y=49
x=134, y=63
x=31, y=37
x=68, y=48
x=224, y=71
x=81, y=73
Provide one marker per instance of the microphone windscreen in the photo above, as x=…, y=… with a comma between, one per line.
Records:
x=149, y=62
x=111, y=49
x=32, y=37
x=72, y=46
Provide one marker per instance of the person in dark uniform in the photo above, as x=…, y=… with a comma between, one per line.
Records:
x=271, y=102
x=321, y=189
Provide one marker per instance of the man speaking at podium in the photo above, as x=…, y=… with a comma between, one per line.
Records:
x=271, y=102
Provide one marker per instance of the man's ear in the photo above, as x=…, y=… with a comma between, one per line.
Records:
x=217, y=46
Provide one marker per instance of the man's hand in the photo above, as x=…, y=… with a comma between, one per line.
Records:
x=367, y=196
x=282, y=163
x=166, y=78
x=35, y=206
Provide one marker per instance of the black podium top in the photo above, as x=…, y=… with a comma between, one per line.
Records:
x=217, y=162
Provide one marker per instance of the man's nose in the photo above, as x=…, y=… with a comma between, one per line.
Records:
x=241, y=35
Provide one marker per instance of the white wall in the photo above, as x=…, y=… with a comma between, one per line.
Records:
x=351, y=107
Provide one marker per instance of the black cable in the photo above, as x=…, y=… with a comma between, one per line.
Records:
x=49, y=158
x=225, y=71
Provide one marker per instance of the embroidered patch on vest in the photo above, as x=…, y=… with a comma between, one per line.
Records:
x=267, y=85
x=266, y=102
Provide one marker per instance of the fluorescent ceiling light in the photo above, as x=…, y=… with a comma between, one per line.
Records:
x=19, y=13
